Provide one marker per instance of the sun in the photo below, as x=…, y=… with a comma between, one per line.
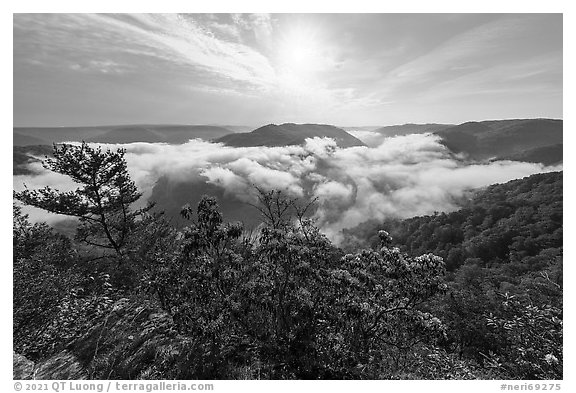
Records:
x=298, y=56
x=299, y=52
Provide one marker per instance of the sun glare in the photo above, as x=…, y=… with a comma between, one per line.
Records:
x=299, y=52
x=301, y=58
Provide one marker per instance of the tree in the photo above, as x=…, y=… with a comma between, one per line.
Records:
x=374, y=309
x=289, y=304
x=533, y=336
x=102, y=203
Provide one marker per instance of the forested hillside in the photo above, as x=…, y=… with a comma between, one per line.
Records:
x=505, y=223
x=503, y=253
x=132, y=297
x=505, y=138
x=289, y=134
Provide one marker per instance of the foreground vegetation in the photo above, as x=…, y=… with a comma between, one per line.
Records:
x=131, y=297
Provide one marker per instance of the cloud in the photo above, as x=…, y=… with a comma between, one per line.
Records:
x=492, y=58
x=402, y=177
x=539, y=75
x=260, y=25
x=350, y=69
x=182, y=38
x=463, y=52
x=235, y=55
x=42, y=178
x=226, y=30
x=370, y=138
x=100, y=66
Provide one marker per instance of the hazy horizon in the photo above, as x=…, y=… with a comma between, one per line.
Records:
x=349, y=70
x=277, y=123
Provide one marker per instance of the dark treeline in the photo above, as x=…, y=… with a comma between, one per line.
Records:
x=471, y=294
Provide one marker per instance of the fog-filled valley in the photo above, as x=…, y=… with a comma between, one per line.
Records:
x=291, y=251
x=384, y=176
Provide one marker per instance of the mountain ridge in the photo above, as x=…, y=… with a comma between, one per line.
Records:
x=289, y=134
x=411, y=128
x=173, y=134
x=501, y=138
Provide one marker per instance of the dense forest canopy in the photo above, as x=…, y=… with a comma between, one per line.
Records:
x=476, y=293
x=504, y=223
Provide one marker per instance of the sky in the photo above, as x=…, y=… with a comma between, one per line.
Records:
x=255, y=69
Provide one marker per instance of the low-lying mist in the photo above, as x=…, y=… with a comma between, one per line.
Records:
x=401, y=177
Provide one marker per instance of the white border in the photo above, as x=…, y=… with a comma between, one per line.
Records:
x=303, y=6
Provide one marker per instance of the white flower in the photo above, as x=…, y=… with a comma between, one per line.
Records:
x=550, y=358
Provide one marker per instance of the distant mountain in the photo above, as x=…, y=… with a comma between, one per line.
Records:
x=51, y=135
x=155, y=134
x=547, y=155
x=504, y=138
x=173, y=134
x=128, y=135
x=407, y=129
x=289, y=134
x=235, y=128
x=25, y=140
x=360, y=128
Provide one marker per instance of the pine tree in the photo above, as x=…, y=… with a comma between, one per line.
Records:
x=102, y=202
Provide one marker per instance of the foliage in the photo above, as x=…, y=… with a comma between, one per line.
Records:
x=289, y=301
x=52, y=301
x=40, y=258
x=531, y=334
x=102, y=203
x=503, y=223
x=212, y=301
x=507, y=241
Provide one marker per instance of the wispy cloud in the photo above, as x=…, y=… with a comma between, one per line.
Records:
x=218, y=48
x=467, y=51
x=179, y=38
x=538, y=75
x=350, y=69
x=100, y=66
x=474, y=61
